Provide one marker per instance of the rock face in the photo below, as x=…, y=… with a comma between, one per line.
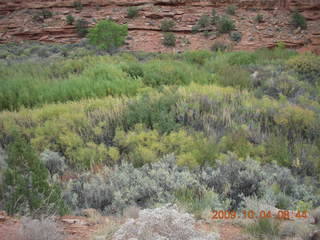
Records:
x=18, y=22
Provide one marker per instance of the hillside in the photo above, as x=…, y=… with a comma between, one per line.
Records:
x=19, y=20
x=159, y=120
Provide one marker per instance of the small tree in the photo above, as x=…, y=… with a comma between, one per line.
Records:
x=77, y=5
x=167, y=25
x=26, y=187
x=132, y=12
x=298, y=20
x=82, y=27
x=169, y=40
x=259, y=18
x=225, y=24
x=108, y=35
x=70, y=19
x=231, y=10
x=204, y=21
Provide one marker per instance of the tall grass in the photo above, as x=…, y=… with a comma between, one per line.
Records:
x=32, y=84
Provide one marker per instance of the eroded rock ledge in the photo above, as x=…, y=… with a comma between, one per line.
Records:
x=17, y=24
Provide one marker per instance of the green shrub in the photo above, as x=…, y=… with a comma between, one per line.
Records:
x=53, y=162
x=264, y=228
x=298, y=20
x=240, y=80
x=204, y=21
x=196, y=201
x=70, y=19
x=259, y=18
x=46, y=14
x=115, y=189
x=231, y=10
x=306, y=65
x=236, y=36
x=132, y=12
x=26, y=188
x=225, y=24
x=81, y=27
x=235, y=179
x=134, y=69
x=198, y=57
x=108, y=35
x=42, y=15
x=213, y=13
x=219, y=46
x=77, y=5
x=283, y=201
x=157, y=73
x=169, y=39
x=242, y=58
x=167, y=25
x=195, y=29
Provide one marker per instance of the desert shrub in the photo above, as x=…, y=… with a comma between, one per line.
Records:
x=298, y=20
x=316, y=215
x=307, y=66
x=53, y=161
x=204, y=21
x=81, y=27
x=213, y=12
x=115, y=189
x=219, y=46
x=108, y=35
x=264, y=228
x=240, y=80
x=42, y=15
x=70, y=19
x=259, y=18
x=182, y=226
x=132, y=12
x=295, y=229
x=198, y=57
x=77, y=5
x=237, y=141
x=286, y=85
x=294, y=119
x=26, y=188
x=167, y=25
x=153, y=113
x=196, y=201
x=278, y=148
x=206, y=34
x=195, y=29
x=242, y=58
x=46, y=14
x=236, y=179
x=169, y=40
x=43, y=229
x=169, y=72
x=225, y=25
x=236, y=36
x=231, y=10
x=145, y=146
x=134, y=69
x=283, y=201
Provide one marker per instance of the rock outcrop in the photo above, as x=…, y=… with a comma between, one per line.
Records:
x=17, y=22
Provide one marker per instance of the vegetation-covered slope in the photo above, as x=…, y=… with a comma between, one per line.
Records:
x=206, y=129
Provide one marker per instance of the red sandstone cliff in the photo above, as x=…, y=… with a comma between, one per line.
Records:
x=16, y=22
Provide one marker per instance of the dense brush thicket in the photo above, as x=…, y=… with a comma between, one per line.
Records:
x=208, y=130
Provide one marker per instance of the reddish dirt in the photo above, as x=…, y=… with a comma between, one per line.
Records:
x=17, y=24
x=81, y=228
x=230, y=232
